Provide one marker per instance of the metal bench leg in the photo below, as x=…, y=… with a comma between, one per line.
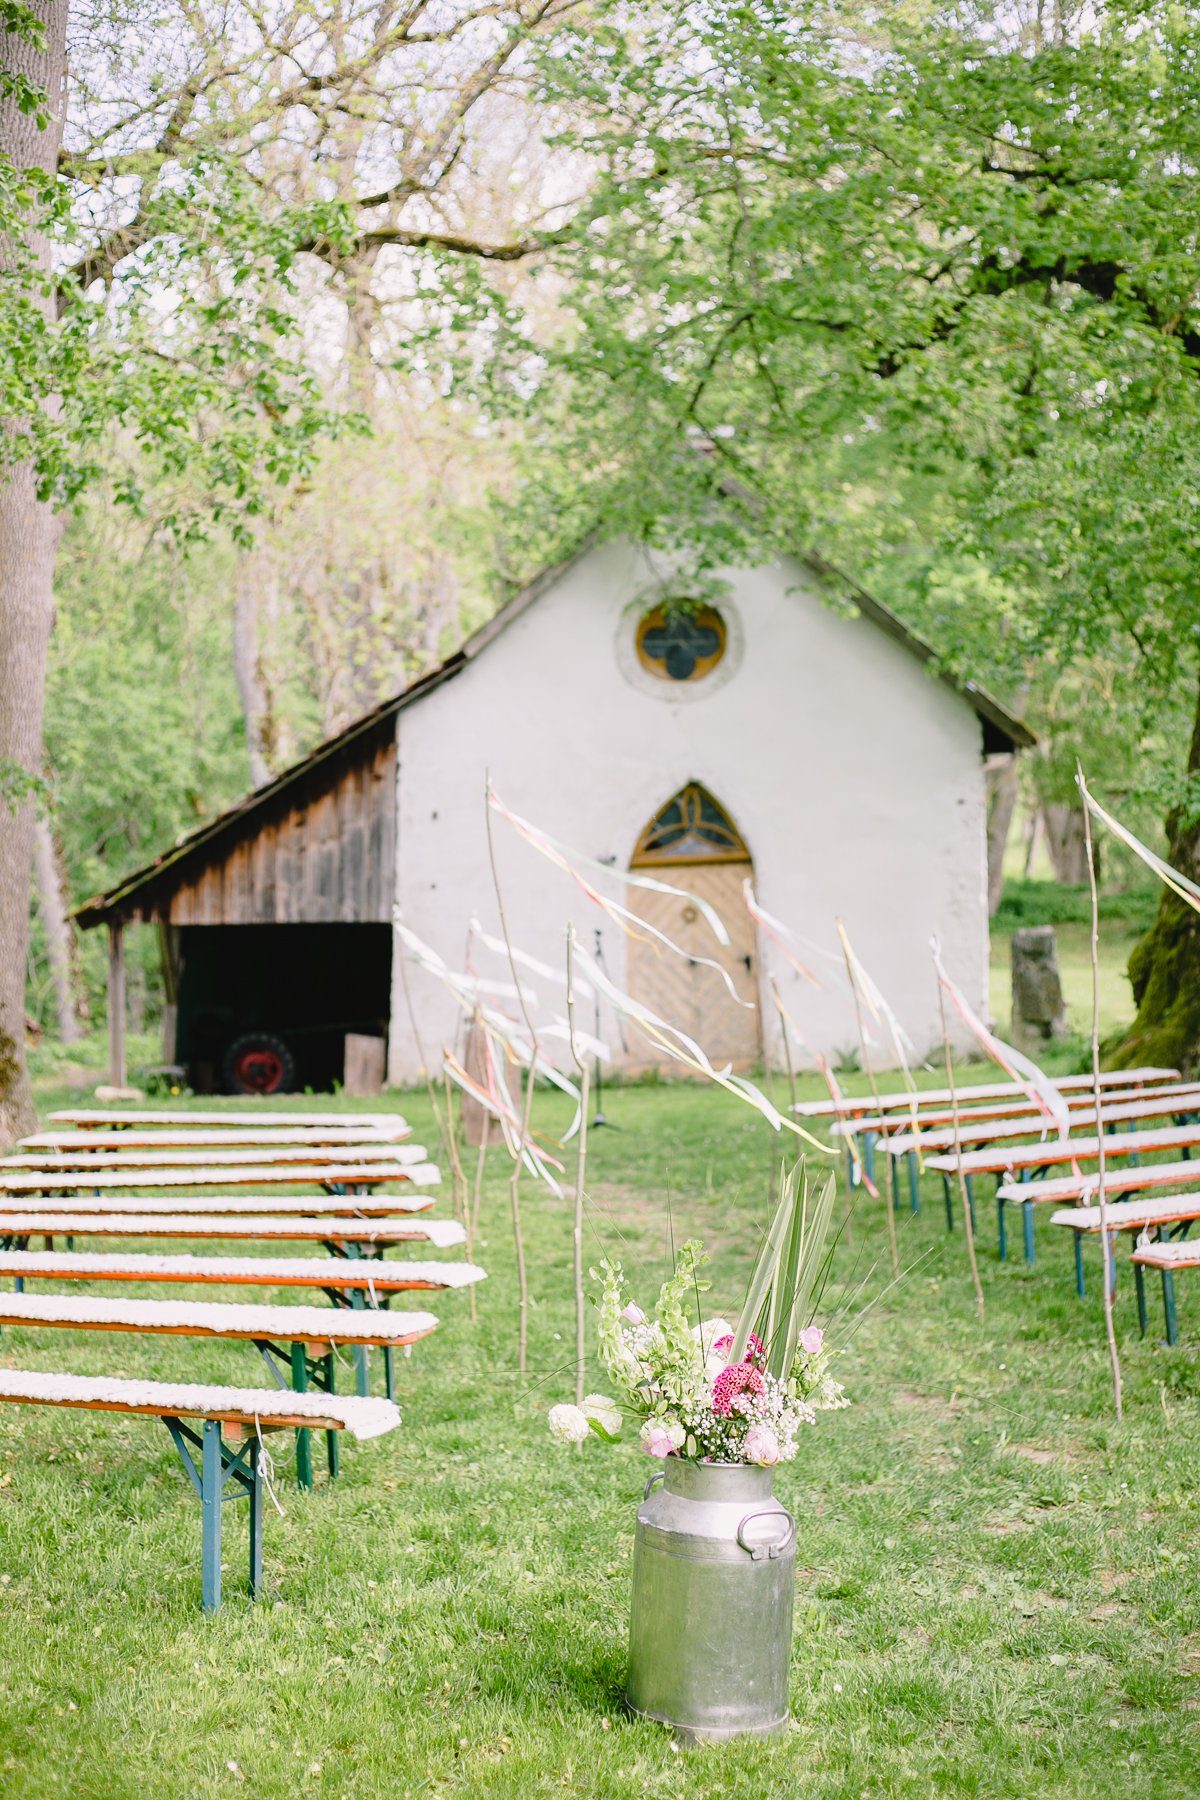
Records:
x=1139, y=1283
x=1168, y=1287
x=1027, y=1228
x=949, y=1203
x=332, y=1444
x=1002, y=1227
x=1110, y=1260
x=358, y=1301
x=211, y=1483
x=304, y=1468
x=868, y=1154
x=256, y=1516
x=1079, y=1282
x=389, y=1373
x=914, y=1184
x=969, y=1181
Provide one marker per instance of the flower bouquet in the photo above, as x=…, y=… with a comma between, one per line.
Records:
x=710, y=1391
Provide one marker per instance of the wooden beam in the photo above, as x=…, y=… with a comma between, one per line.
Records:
x=116, y=1003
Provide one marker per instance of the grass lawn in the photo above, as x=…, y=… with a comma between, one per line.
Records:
x=997, y=1587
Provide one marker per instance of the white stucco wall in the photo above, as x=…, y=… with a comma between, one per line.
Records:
x=855, y=777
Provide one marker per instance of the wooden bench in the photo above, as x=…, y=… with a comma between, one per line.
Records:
x=1156, y=1214
x=359, y=1206
x=311, y=1334
x=212, y=1464
x=16, y=1228
x=1022, y=1107
x=174, y=1138
x=1167, y=1259
x=90, y=1119
x=331, y=1176
x=347, y=1281
x=854, y=1105
x=401, y=1155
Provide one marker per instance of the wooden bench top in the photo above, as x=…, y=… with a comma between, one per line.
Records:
x=930, y=1119
x=358, y=1175
x=443, y=1234
x=402, y=1155
x=1063, y=1188
x=177, y=1138
x=89, y=1118
x=1066, y=1150
x=324, y=1325
x=1168, y=1256
x=1170, y=1105
x=854, y=1104
x=1131, y=1215
x=357, y=1206
x=271, y=1409
x=343, y=1272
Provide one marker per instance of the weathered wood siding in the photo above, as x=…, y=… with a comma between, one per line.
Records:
x=327, y=857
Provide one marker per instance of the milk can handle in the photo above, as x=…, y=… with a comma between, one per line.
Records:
x=758, y=1551
x=658, y=1475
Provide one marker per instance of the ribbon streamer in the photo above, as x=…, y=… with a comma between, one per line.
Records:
x=1179, y=884
x=1016, y=1065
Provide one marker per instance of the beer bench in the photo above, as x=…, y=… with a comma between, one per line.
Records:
x=16, y=1228
x=89, y=1119
x=1165, y=1210
x=1035, y=1159
x=347, y=1281
x=1166, y=1258
x=299, y=1340
x=331, y=1176
x=403, y=1155
x=174, y=1138
x=211, y=1463
x=358, y=1206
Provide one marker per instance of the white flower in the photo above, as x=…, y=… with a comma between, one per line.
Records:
x=665, y=1434
x=633, y=1314
x=568, y=1424
x=762, y=1447
x=605, y=1412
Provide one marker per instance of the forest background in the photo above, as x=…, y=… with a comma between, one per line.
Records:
x=342, y=317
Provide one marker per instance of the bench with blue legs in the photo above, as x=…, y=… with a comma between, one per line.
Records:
x=289, y=1155
x=355, y=1206
x=349, y=1281
x=123, y=1119
x=336, y=1232
x=1163, y=1213
x=176, y=1137
x=1029, y=1162
x=344, y=1176
x=300, y=1342
x=1080, y=1189
x=1168, y=1259
x=218, y=1433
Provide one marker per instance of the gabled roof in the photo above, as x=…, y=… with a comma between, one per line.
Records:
x=1001, y=731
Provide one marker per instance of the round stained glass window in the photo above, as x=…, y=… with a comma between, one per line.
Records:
x=679, y=643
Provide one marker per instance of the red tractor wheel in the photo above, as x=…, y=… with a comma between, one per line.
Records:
x=258, y=1064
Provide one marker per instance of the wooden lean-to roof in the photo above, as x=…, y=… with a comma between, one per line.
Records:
x=214, y=876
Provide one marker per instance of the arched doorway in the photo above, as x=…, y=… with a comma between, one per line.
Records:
x=692, y=843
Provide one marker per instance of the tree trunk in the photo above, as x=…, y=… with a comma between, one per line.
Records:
x=1164, y=969
x=1002, y=799
x=55, y=924
x=29, y=533
x=1066, y=842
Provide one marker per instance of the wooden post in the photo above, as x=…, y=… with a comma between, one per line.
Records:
x=116, y=1003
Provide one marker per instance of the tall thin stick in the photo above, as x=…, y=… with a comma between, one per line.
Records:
x=514, y=1186
x=1105, y=1241
x=968, y=1218
x=893, y=1247
x=584, y=1066
x=787, y=1044
x=462, y=1196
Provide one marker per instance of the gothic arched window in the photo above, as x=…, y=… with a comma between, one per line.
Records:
x=690, y=828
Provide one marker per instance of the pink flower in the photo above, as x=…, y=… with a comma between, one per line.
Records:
x=633, y=1314
x=738, y=1378
x=761, y=1446
x=812, y=1340
x=656, y=1440
x=755, y=1348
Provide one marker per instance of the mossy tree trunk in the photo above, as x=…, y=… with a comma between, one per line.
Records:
x=1165, y=966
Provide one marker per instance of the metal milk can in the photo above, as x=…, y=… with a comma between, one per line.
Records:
x=710, y=1634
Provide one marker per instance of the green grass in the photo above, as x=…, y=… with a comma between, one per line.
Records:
x=996, y=1589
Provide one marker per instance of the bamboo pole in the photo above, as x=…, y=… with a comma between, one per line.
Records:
x=514, y=1186
x=893, y=1247
x=1110, y=1333
x=585, y=1071
x=968, y=1219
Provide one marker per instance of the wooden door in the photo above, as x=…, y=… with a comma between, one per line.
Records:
x=685, y=991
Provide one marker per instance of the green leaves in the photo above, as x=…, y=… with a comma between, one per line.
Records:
x=787, y=1270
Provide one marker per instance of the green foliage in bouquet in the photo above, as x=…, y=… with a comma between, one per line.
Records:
x=788, y=1272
